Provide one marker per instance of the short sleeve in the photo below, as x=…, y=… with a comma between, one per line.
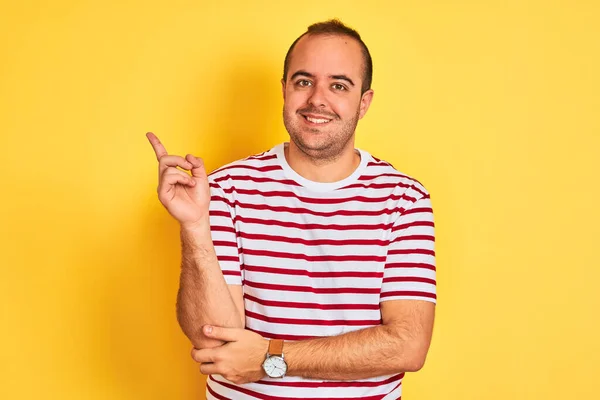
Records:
x=410, y=272
x=224, y=234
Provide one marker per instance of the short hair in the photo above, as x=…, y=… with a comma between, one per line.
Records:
x=336, y=27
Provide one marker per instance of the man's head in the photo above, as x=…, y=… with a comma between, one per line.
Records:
x=335, y=27
x=326, y=89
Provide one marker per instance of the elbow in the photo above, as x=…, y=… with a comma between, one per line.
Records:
x=414, y=363
x=192, y=332
x=202, y=342
x=198, y=339
x=414, y=359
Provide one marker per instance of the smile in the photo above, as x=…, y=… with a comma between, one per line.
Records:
x=317, y=121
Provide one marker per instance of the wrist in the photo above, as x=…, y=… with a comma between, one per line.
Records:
x=196, y=228
x=196, y=236
x=291, y=351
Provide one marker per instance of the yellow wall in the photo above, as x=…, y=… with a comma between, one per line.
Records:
x=493, y=105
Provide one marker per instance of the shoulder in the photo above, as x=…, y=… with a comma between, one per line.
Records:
x=255, y=165
x=380, y=173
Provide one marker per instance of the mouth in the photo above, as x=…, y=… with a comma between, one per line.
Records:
x=316, y=120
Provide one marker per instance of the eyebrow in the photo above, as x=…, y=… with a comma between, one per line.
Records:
x=302, y=73
x=309, y=75
x=342, y=78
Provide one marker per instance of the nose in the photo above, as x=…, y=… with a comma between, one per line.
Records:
x=318, y=97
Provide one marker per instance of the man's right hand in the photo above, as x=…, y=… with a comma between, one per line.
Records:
x=185, y=197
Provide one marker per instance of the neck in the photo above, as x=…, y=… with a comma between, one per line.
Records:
x=324, y=171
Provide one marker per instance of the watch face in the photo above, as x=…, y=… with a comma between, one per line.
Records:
x=275, y=367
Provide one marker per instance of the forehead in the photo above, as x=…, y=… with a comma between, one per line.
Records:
x=327, y=55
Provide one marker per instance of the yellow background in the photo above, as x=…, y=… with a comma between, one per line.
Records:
x=493, y=105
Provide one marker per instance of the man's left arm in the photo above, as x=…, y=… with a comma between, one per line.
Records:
x=399, y=344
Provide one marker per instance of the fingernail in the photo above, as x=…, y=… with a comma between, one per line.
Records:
x=208, y=329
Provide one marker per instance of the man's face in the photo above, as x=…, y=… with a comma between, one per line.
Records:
x=322, y=95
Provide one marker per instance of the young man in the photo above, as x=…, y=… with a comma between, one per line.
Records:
x=308, y=271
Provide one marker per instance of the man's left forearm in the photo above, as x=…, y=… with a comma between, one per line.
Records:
x=399, y=344
x=366, y=353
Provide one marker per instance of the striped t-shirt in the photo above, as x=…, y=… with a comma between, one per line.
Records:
x=316, y=259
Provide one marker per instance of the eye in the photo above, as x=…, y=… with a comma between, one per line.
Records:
x=339, y=86
x=303, y=83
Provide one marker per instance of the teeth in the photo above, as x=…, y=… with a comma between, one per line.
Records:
x=317, y=121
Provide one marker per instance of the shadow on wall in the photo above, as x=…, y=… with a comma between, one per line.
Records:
x=248, y=116
x=147, y=355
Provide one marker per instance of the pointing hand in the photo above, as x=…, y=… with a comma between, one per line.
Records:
x=185, y=197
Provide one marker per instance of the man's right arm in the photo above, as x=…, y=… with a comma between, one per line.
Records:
x=204, y=297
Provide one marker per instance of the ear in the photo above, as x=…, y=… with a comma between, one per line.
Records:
x=283, y=88
x=365, y=102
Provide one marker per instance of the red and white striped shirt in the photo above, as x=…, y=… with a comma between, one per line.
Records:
x=316, y=259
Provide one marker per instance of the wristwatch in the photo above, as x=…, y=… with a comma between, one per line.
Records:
x=274, y=364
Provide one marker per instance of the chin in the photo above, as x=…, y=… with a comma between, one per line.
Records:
x=317, y=149
x=310, y=140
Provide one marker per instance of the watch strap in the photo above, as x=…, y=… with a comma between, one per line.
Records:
x=276, y=347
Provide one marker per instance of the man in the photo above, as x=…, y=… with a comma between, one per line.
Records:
x=307, y=271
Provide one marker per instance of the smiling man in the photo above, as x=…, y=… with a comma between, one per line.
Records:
x=308, y=271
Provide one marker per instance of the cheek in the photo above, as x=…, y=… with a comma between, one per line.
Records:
x=291, y=106
x=294, y=100
x=344, y=108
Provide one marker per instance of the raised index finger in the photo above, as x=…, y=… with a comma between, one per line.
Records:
x=159, y=149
